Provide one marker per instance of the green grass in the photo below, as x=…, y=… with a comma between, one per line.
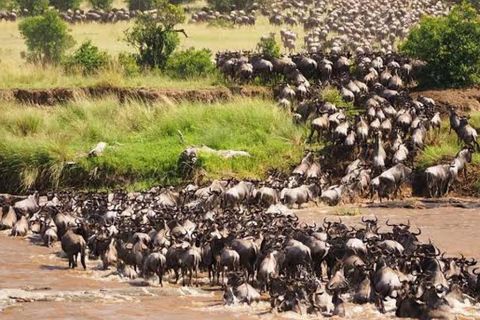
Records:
x=49, y=77
x=144, y=143
x=16, y=73
x=442, y=148
x=350, y=212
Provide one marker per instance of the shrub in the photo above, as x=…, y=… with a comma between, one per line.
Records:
x=190, y=63
x=142, y=4
x=179, y=2
x=228, y=5
x=47, y=37
x=88, y=58
x=128, y=64
x=332, y=95
x=269, y=47
x=34, y=7
x=221, y=23
x=8, y=4
x=101, y=4
x=156, y=39
x=64, y=5
x=450, y=47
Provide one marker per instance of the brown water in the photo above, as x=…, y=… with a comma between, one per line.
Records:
x=92, y=294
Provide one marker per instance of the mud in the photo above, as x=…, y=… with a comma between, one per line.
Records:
x=51, y=97
x=35, y=283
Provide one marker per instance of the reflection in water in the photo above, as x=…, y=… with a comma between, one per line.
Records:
x=25, y=265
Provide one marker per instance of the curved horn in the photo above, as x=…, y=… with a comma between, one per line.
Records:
x=475, y=273
x=419, y=232
x=391, y=225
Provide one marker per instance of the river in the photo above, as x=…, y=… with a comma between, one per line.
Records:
x=35, y=283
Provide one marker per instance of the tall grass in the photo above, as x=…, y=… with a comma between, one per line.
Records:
x=38, y=145
x=14, y=72
x=442, y=147
x=29, y=76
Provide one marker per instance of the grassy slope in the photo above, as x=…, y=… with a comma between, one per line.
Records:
x=442, y=148
x=15, y=73
x=145, y=144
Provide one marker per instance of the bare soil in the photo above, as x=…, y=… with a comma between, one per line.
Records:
x=51, y=97
x=466, y=99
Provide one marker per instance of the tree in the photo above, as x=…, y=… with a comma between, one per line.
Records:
x=228, y=5
x=474, y=3
x=269, y=47
x=156, y=39
x=190, y=63
x=47, y=37
x=449, y=45
x=33, y=7
x=64, y=5
x=88, y=58
x=101, y=4
x=143, y=5
x=8, y=5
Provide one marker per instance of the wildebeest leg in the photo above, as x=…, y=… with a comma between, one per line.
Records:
x=177, y=275
x=190, y=270
x=477, y=144
x=75, y=260
x=70, y=261
x=379, y=303
x=312, y=131
x=196, y=275
x=223, y=276
x=319, y=137
x=82, y=260
x=160, y=276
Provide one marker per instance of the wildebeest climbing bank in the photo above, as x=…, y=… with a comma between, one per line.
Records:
x=201, y=159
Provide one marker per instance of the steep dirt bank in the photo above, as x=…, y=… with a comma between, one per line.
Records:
x=467, y=99
x=61, y=95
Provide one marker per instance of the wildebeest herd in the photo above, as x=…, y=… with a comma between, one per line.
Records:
x=371, y=144
x=87, y=16
x=250, y=251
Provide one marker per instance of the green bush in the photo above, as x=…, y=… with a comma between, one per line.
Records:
x=101, y=4
x=88, y=58
x=142, y=4
x=221, y=23
x=228, y=5
x=450, y=46
x=156, y=39
x=269, y=47
x=332, y=95
x=8, y=4
x=128, y=64
x=190, y=63
x=64, y=5
x=47, y=37
x=34, y=7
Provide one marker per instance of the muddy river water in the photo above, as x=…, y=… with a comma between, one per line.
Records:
x=35, y=284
